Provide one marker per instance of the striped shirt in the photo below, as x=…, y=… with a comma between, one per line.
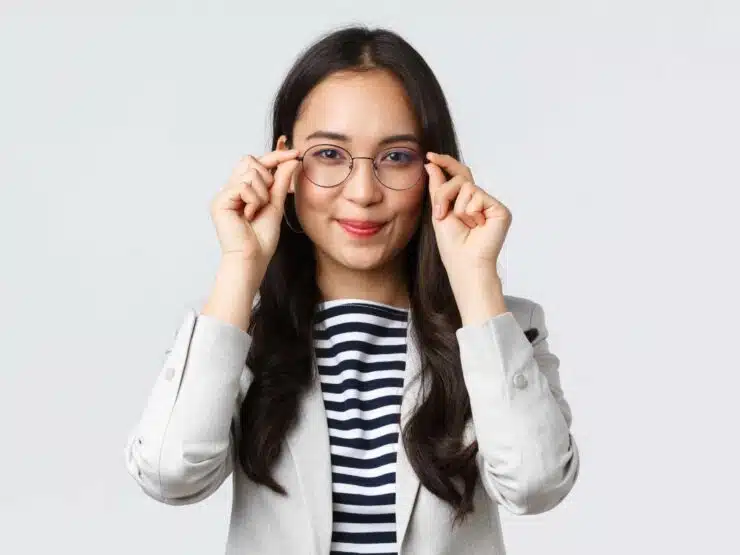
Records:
x=360, y=349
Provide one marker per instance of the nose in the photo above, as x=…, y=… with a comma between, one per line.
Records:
x=362, y=186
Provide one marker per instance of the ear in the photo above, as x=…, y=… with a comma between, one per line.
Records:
x=284, y=144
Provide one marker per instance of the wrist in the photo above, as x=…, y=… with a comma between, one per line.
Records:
x=479, y=300
x=241, y=271
x=233, y=293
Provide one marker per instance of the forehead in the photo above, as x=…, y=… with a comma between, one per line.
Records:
x=366, y=106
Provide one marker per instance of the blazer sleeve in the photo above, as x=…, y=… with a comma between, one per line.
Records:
x=181, y=450
x=527, y=458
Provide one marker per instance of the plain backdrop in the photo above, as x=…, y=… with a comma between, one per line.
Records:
x=610, y=129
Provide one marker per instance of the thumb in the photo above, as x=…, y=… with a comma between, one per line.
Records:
x=281, y=184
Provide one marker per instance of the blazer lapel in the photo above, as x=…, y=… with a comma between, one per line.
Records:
x=407, y=483
x=309, y=444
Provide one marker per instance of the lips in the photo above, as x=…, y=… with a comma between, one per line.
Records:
x=361, y=228
x=362, y=224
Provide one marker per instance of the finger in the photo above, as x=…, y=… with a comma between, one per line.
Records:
x=436, y=177
x=250, y=199
x=445, y=194
x=453, y=166
x=271, y=160
x=490, y=206
x=251, y=163
x=283, y=177
x=461, y=203
x=231, y=192
x=260, y=188
x=496, y=210
x=475, y=209
x=253, y=192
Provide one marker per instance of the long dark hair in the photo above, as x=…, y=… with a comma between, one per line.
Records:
x=281, y=324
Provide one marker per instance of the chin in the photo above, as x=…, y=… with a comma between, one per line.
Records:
x=363, y=259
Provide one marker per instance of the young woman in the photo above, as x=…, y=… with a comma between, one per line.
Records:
x=357, y=369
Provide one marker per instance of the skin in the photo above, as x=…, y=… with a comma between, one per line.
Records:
x=366, y=108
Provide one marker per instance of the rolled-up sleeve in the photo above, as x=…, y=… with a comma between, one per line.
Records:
x=528, y=459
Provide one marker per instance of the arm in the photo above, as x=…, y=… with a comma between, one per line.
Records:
x=181, y=450
x=528, y=459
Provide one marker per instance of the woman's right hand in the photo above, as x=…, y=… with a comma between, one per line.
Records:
x=248, y=209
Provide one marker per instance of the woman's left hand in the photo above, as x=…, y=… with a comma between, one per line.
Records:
x=471, y=232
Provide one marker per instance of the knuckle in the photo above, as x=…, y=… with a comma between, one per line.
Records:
x=261, y=194
x=246, y=161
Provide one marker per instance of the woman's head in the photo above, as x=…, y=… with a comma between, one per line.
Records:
x=348, y=115
x=368, y=94
x=365, y=87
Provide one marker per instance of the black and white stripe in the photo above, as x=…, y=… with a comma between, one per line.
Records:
x=360, y=349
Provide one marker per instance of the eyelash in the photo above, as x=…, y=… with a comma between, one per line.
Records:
x=324, y=150
x=408, y=155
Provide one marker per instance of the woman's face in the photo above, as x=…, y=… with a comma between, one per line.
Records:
x=366, y=114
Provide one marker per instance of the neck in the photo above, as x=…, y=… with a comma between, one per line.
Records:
x=386, y=284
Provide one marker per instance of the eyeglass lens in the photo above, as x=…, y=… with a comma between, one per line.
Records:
x=330, y=165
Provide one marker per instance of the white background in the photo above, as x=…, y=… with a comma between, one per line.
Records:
x=610, y=129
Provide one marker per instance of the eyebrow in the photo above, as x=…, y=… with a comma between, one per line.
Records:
x=332, y=136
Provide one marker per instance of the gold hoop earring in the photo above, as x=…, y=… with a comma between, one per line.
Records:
x=287, y=222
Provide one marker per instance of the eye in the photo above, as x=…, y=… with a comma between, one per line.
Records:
x=328, y=154
x=399, y=157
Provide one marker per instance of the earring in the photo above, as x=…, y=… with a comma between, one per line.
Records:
x=287, y=222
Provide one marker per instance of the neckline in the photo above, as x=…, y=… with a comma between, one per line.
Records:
x=322, y=305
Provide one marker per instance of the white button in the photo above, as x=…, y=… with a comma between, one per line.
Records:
x=169, y=373
x=520, y=381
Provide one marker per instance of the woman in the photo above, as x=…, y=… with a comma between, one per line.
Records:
x=357, y=369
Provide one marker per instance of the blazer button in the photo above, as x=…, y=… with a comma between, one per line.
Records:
x=169, y=373
x=520, y=381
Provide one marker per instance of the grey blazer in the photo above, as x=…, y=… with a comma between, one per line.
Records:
x=182, y=448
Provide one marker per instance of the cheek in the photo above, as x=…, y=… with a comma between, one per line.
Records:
x=312, y=202
x=409, y=206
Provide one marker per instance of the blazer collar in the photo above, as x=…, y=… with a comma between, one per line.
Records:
x=310, y=449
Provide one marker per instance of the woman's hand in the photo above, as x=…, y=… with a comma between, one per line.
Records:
x=248, y=209
x=470, y=235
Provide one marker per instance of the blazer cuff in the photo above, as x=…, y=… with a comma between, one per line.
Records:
x=219, y=345
x=497, y=351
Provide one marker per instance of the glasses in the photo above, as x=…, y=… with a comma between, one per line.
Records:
x=397, y=168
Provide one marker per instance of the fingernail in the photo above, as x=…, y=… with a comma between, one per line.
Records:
x=438, y=210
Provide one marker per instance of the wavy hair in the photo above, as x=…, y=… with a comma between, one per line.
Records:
x=281, y=356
